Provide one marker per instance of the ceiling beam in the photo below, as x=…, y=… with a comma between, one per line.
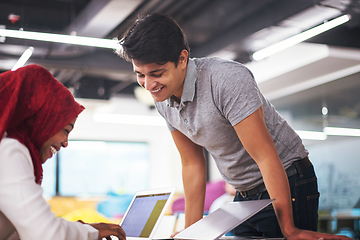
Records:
x=100, y=17
x=269, y=16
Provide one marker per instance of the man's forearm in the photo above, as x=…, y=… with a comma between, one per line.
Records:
x=194, y=180
x=277, y=185
x=193, y=163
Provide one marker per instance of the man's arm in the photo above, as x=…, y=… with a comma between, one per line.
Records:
x=194, y=176
x=257, y=141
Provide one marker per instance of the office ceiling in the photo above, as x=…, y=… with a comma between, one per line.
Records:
x=227, y=28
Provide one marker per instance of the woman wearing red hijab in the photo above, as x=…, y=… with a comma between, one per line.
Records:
x=37, y=113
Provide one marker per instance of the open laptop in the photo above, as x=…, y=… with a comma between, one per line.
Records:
x=145, y=211
x=216, y=224
x=147, y=208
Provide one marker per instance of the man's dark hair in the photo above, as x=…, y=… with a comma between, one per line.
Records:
x=156, y=38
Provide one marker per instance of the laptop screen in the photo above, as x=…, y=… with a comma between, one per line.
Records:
x=143, y=214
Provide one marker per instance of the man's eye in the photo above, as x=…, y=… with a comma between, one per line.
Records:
x=67, y=131
x=158, y=75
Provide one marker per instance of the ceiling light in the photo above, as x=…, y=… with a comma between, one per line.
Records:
x=324, y=111
x=261, y=54
x=311, y=135
x=60, y=38
x=352, y=132
x=129, y=119
x=2, y=38
x=23, y=59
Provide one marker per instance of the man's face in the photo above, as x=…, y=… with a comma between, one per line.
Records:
x=162, y=81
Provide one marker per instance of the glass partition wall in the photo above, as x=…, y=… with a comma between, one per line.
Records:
x=331, y=114
x=97, y=168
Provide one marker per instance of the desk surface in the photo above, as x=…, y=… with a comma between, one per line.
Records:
x=246, y=238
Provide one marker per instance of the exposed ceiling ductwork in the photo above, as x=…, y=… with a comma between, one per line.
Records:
x=230, y=28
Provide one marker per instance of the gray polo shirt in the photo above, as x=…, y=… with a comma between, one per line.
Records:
x=217, y=95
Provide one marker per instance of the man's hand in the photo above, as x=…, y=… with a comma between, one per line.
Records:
x=305, y=234
x=174, y=234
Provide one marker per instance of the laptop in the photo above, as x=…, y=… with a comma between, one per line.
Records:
x=147, y=208
x=216, y=224
x=145, y=211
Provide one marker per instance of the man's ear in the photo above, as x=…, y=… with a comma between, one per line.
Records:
x=183, y=57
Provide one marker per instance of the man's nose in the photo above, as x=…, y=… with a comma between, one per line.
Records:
x=149, y=83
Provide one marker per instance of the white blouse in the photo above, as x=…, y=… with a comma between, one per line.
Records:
x=22, y=203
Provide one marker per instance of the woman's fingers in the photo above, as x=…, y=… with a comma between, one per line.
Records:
x=108, y=229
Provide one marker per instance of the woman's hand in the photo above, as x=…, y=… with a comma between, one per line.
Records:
x=108, y=229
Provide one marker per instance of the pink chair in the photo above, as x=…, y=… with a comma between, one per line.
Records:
x=213, y=191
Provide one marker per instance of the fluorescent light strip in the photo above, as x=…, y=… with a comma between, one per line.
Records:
x=311, y=135
x=351, y=132
x=23, y=59
x=60, y=38
x=159, y=121
x=129, y=119
x=261, y=54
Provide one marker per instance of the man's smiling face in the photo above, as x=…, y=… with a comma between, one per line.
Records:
x=162, y=81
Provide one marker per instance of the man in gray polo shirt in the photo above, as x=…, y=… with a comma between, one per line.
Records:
x=215, y=104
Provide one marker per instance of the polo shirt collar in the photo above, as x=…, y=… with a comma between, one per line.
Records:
x=188, y=93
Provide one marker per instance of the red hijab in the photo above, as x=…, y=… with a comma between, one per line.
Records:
x=34, y=106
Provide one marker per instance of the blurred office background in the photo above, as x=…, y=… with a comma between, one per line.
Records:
x=120, y=144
